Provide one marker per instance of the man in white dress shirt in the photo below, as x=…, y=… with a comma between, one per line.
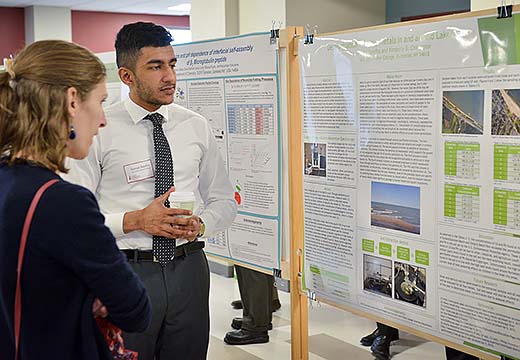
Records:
x=121, y=171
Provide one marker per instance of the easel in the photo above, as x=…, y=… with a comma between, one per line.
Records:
x=289, y=41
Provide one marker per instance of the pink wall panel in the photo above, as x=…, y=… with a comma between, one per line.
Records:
x=12, y=31
x=97, y=30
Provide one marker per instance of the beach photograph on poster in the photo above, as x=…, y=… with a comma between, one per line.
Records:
x=377, y=275
x=463, y=112
x=315, y=159
x=396, y=207
x=410, y=283
x=505, y=112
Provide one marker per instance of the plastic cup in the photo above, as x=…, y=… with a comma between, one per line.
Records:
x=182, y=200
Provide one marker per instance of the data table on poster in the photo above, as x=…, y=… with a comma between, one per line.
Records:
x=218, y=240
x=251, y=119
x=462, y=202
x=506, y=165
x=462, y=160
x=506, y=208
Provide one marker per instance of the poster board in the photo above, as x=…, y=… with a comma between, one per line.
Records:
x=234, y=83
x=116, y=90
x=411, y=179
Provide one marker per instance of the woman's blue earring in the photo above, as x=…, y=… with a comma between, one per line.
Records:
x=72, y=133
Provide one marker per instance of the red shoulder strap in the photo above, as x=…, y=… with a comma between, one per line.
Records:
x=21, y=252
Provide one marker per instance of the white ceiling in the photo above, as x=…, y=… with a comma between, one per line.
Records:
x=159, y=7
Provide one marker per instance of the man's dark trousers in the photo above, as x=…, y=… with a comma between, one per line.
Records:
x=179, y=293
x=256, y=292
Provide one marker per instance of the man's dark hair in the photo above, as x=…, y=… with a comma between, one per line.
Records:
x=133, y=37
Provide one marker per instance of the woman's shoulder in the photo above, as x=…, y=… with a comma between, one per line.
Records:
x=65, y=204
x=68, y=194
x=21, y=183
x=27, y=179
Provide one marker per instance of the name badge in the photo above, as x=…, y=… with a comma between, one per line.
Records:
x=138, y=171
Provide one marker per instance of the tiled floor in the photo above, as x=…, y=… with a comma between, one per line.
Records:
x=333, y=334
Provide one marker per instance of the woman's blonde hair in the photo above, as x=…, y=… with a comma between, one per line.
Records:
x=34, y=118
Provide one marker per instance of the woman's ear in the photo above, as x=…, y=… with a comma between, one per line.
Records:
x=126, y=76
x=72, y=101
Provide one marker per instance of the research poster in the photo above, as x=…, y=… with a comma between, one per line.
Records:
x=233, y=82
x=411, y=153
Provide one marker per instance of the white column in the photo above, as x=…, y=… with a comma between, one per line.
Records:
x=256, y=16
x=210, y=19
x=47, y=22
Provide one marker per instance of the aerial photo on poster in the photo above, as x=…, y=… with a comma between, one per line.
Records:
x=463, y=112
x=505, y=113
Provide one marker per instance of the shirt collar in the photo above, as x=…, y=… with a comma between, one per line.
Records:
x=137, y=113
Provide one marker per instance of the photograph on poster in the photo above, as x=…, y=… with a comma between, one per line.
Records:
x=463, y=112
x=315, y=159
x=377, y=275
x=505, y=112
x=396, y=207
x=410, y=283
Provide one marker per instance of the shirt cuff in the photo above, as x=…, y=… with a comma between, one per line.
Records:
x=209, y=225
x=115, y=223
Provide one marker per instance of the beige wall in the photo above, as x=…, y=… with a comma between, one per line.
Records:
x=336, y=15
x=232, y=20
x=216, y=18
x=485, y=4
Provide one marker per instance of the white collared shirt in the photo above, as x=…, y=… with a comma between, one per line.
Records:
x=119, y=169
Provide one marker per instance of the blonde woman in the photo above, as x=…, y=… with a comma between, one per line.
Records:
x=51, y=107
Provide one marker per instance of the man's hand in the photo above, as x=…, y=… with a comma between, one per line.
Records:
x=98, y=309
x=193, y=228
x=157, y=219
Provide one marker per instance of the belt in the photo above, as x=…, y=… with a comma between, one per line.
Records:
x=146, y=255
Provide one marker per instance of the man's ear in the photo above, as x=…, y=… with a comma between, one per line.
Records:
x=72, y=101
x=126, y=75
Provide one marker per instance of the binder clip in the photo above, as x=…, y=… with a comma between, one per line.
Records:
x=311, y=295
x=275, y=33
x=504, y=11
x=277, y=274
x=309, y=37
